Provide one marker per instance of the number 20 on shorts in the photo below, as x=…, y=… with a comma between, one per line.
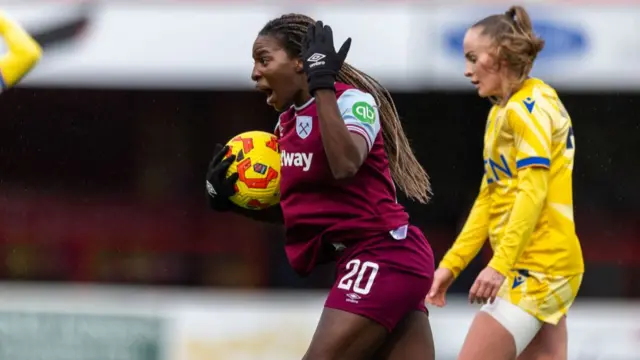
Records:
x=366, y=269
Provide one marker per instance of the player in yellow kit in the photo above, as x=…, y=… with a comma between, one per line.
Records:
x=525, y=204
x=22, y=55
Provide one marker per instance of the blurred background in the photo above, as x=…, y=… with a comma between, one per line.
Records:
x=109, y=250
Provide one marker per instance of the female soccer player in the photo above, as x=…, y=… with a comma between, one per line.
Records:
x=525, y=204
x=23, y=54
x=342, y=146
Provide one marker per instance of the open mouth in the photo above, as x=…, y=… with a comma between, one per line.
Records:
x=267, y=91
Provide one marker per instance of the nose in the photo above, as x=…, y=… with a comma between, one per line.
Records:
x=255, y=74
x=468, y=72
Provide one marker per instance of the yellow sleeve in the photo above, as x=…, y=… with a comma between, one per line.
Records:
x=531, y=134
x=24, y=52
x=473, y=235
x=533, y=183
x=531, y=128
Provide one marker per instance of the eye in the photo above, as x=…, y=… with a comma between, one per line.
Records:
x=263, y=60
x=471, y=57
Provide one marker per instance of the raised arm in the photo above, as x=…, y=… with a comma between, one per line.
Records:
x=349, y=126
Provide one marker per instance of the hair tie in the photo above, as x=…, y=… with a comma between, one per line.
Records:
x=511, y=14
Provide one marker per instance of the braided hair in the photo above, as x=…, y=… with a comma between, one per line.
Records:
x=408, y=174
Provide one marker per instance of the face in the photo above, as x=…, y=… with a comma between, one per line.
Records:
x=276, y=74
x=481, y=66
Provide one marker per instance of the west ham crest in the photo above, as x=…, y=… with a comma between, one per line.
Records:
x=304, y=124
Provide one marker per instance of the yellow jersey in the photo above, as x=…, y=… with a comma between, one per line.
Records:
x=525, y=204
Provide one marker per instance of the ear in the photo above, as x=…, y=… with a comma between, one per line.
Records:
x=492, y=63
x=299, y=66
x=504, y=68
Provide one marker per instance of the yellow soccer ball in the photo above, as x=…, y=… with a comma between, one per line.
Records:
x=258, y=166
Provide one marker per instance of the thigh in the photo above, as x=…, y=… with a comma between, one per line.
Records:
x=547, y=296
x=383, y=280
x=377, y=291
x=341, y=335
x=549, y=344
x=521, y=325
x=410, y=340
x=487, y=339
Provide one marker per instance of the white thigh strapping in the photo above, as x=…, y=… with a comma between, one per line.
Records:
x=519, y=323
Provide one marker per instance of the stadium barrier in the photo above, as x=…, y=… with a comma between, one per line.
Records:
x=208, y=44
x=136, y=323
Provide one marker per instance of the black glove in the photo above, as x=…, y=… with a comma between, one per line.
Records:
x=219, y=186
x=321, y=62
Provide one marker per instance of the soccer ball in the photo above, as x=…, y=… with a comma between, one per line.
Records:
x=258, y=166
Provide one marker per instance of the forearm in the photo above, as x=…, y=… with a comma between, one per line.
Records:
x=24, y=52
x=471, y=238
x=342, y=152
x=532, y=193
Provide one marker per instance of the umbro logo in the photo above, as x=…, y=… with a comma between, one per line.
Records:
x=353, y=298
x=316, y=57
x=211, y=190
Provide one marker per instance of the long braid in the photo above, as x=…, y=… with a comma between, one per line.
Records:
x=405, y=169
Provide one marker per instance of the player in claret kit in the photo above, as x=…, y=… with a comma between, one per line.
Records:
x=22, y=55
x=342, y=147
x=525, y=205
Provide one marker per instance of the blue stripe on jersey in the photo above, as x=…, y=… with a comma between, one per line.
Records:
x=533, y=161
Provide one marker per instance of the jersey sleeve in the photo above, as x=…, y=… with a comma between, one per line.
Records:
x=533, y=184
x=360, y=113
x=531, y=134
x=473, y=235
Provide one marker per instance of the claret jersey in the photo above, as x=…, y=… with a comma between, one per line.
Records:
x=320, y=211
